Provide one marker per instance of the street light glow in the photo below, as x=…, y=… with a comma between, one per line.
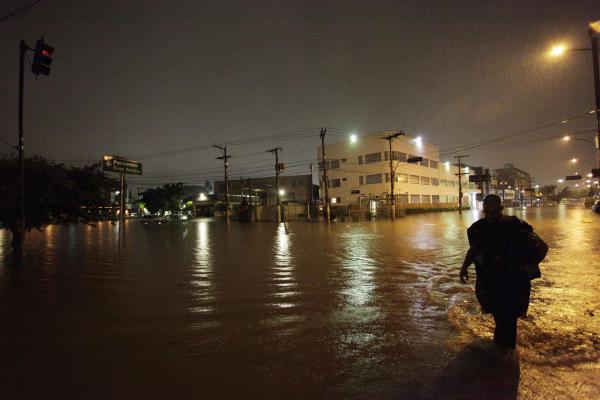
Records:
x=557, y=50
x=589, y=175
x=281, y=192
x=573, y=160
x=353, y=138
x=560, y=180
x=566, y=138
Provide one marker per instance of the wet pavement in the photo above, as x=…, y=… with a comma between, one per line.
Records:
x=201, y=309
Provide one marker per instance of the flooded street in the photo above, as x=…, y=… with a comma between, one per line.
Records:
x=372, y=310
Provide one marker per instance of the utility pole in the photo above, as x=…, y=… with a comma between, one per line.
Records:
x=594, y=40
x=460, y=174
x=276, y=150
x=309, y=198
x=225, y=157
x=325, y=182
x=389, y=138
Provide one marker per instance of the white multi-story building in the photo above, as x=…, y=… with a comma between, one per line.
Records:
x=358, y=171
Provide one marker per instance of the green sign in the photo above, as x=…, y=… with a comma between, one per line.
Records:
x=121, y=165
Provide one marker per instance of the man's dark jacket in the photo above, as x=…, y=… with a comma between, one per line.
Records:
x=499, y=285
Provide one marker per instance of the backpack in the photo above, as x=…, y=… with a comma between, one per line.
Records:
x=525, y=253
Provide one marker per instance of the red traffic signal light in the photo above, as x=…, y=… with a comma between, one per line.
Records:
x=42, y=58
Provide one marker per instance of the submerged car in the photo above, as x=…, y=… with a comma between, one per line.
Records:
x=154, y=220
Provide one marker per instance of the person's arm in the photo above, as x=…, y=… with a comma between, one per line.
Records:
x=469, y=258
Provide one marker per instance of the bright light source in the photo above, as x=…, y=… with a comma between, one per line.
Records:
x=333, y=200
x=118, y=192
x=537, y=186
x=588, y=181
x=202, y=197
x=589, y=185
x=447, y=164
x=560, y=181
x=419, y=141
x=281, y=192
x=566, y=138
x=557, y=50
x=577, y=185
x=573, y=160
x=353, y=138
x=589, y=175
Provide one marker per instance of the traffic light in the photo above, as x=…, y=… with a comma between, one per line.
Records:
x=42, y=58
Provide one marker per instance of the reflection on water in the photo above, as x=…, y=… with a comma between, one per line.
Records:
x=365, y=310
x=202, y=276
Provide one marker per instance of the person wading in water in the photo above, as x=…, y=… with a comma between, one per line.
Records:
x=501, y=288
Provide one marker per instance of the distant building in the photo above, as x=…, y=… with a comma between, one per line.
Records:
x=512, y=184
x=358, y=172
x=292, y=188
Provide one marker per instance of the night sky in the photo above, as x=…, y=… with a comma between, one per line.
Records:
x=138, y=78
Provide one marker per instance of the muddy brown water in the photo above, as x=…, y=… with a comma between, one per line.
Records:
x=200, y=309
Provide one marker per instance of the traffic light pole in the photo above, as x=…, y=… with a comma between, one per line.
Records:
x=19, y=240
x=122, y=199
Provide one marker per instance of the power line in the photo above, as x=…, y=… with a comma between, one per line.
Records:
x=19, y=10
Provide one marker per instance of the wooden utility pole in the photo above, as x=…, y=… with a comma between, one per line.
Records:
x=460, y=174
x=309, y=198
x=225, y=157
x=389, y=138
x=276, y=150
x=325, y=181
x=20, y=239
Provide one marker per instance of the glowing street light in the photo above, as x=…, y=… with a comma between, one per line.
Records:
x=281, y=192
x=353, y=138
x=566, y=138
x=574, y=160
x=557, y=50
x=561, y=180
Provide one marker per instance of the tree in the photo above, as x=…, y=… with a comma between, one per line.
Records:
x=163, y=198
x=54, y=193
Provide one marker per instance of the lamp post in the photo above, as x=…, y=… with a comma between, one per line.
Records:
x=558, y=51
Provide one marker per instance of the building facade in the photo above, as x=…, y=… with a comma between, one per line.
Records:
x=513, y=184
x=358, y=171
x=292, y=189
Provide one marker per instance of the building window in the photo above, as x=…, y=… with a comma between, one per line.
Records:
x=360, y=180
x=372, y=158
x=335, y=183
x=424, y=162
x=425, y=199
x=414, y=179
x=387, y=177
x=443, y=182
x=433, y=164
x=386, y=155
x=415, y=198
x=424, y=180
x=355, y=191
x=435, y=198
x=334, y=164
x=399, y=156
x=402, y=198
x=360, y=159
x=402, y=178
x=376, y=178
x=443, y=199
x=435, y=182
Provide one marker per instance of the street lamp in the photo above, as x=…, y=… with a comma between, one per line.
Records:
x=559, y=50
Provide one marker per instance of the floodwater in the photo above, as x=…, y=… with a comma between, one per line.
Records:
x=204, y=310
